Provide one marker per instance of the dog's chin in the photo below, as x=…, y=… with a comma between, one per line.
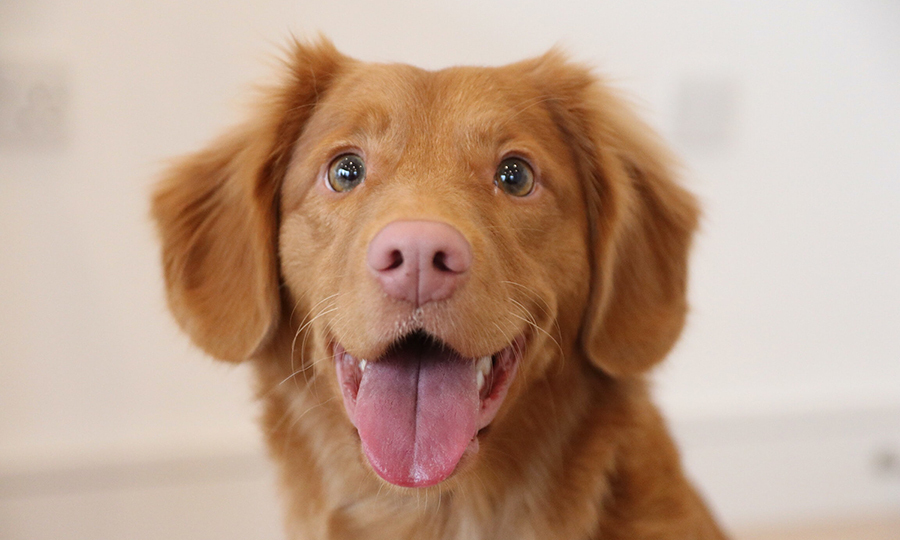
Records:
x=419, y=408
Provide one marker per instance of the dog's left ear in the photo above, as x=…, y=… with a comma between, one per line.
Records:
x=217, y=215
x=642, y=222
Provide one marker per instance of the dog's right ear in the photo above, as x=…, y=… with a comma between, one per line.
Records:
x=217, y=215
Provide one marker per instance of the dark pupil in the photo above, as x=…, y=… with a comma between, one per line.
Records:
x=511, y=173
x=349, y=170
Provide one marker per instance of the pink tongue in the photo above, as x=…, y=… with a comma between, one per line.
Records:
x=416, y=412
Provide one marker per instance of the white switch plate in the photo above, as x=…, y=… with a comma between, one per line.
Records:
x=34, y=100
x=706, y=110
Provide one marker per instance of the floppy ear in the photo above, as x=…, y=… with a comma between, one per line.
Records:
x=642, y=222
x=217, y=216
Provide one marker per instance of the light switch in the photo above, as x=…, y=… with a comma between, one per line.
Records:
x=705, y=114
x=34, y=100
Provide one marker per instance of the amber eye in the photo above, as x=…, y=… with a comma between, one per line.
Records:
x=515, y=177
x=346, y=172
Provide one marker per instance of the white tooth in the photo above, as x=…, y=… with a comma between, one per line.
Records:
x=484, y=365
x=362, y=364
x=482, y=371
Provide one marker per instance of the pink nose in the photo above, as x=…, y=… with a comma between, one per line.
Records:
x=419, y=261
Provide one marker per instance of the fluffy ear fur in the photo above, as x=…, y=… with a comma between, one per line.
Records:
x=642, y=222
x=217, y=216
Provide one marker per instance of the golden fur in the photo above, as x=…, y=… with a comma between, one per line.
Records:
x=263, y=264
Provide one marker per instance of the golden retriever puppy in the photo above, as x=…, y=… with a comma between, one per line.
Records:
x=451, y=285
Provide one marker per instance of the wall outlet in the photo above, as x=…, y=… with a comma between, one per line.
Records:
x=705, y=112
x=886, y=463
x=34, y=100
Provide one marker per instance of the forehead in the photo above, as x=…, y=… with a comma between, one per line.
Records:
x=472, y=106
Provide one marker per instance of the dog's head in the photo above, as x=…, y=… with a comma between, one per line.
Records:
x=444, y=238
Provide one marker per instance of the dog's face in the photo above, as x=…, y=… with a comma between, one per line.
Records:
x=435, y=244
x=435, y=222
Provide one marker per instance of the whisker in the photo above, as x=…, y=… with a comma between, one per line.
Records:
x=309, y=409
x=545, y=307
x=331, y=309
x=317, y=304
x=531, y=322
x=277, y=425
x=548, y=311
x=338, y=321
x=300, y=330
x=305, y=368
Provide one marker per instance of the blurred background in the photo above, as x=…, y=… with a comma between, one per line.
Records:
x=784, y=392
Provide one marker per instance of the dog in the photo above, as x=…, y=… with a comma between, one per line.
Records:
x=451, y=285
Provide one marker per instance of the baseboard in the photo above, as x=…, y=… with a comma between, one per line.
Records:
x=219, y=497
x=796, y=468
x=754, y=471
x=874, y=527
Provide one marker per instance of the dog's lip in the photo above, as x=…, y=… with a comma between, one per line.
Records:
x=504, y=366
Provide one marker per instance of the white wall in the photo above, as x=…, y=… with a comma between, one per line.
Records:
x=787, y=116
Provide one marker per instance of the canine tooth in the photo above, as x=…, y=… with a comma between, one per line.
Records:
x=362, y=364
x=482, y=371
x=484, y=365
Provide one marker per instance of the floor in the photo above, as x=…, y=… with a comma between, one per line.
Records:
x=876, y=528
x=229, y=499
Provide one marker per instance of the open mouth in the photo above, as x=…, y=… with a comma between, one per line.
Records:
x=420, y=406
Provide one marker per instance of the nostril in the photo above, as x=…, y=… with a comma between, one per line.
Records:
x=396, y=260
x=440, y=262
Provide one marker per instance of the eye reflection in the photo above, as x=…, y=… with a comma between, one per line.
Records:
x=346, y=172
x=515, y=177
